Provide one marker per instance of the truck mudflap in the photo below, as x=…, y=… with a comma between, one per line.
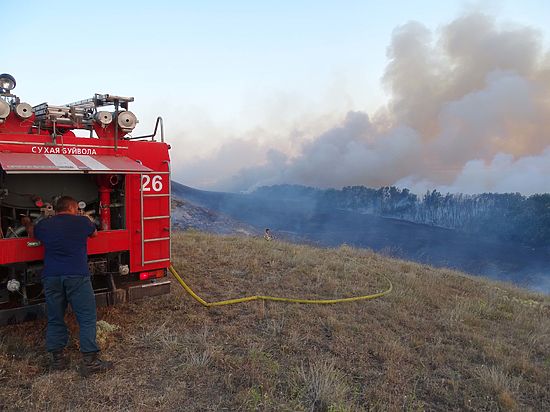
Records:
x=149, y=289
x=130, y=294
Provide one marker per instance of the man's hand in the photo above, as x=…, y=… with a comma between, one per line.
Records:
x=94, y=234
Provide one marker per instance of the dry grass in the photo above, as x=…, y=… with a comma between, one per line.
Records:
x=440, y=341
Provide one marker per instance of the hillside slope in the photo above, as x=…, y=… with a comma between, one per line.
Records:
x=440, y=341
x=300, y=218
x=186, y=215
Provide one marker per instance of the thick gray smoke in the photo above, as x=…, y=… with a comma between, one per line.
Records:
x=469, y=111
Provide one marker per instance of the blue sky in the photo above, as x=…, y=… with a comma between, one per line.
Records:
x=218, y=56
x=217, y=69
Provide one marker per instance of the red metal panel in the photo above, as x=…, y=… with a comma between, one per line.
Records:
x=25, y=161
x=23, y=249
x=18, y=250
x=109, y=241
x=156, y=206
x=152, y=154
x=157, y=251
x=117, y=164
x=30, y=162
x=67, y=145
x=157, y=228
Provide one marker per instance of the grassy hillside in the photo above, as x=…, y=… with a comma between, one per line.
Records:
x=440, y=341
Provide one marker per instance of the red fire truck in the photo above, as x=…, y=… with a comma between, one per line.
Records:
x=122, y=183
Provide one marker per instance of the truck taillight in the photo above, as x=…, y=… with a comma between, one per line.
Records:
x=154, y=274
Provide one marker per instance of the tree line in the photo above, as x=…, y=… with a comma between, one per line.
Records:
x=505, y=216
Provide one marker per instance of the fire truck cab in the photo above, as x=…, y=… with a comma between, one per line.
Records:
x=122, y=183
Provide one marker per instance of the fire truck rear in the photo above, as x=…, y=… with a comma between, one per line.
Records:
x=122, y=183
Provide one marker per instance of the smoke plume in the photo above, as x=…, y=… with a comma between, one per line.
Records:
x=469, y=111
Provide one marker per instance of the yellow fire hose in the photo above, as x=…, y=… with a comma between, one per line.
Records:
x=276, y=299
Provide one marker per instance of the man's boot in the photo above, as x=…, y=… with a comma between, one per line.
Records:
x=91, y=363
x=58, y=361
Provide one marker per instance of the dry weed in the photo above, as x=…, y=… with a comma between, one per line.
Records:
x=321, y=385
x=199, y=359
x=502, y=385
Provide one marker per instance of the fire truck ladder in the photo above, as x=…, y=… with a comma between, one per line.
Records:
x=144, y=198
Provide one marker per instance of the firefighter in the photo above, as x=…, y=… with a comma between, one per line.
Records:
x=66, y=279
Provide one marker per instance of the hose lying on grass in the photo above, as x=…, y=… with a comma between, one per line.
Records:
x=276, y=299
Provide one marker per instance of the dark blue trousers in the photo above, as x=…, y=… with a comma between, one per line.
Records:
x=78, y=291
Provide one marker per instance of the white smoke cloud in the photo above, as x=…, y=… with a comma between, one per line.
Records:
x=528, y=174
x=352, y=152
x=468, y=112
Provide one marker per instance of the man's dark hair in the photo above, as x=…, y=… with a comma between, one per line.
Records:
x=64, y=203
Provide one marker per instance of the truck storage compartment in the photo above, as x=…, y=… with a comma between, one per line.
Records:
x=34, y=196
